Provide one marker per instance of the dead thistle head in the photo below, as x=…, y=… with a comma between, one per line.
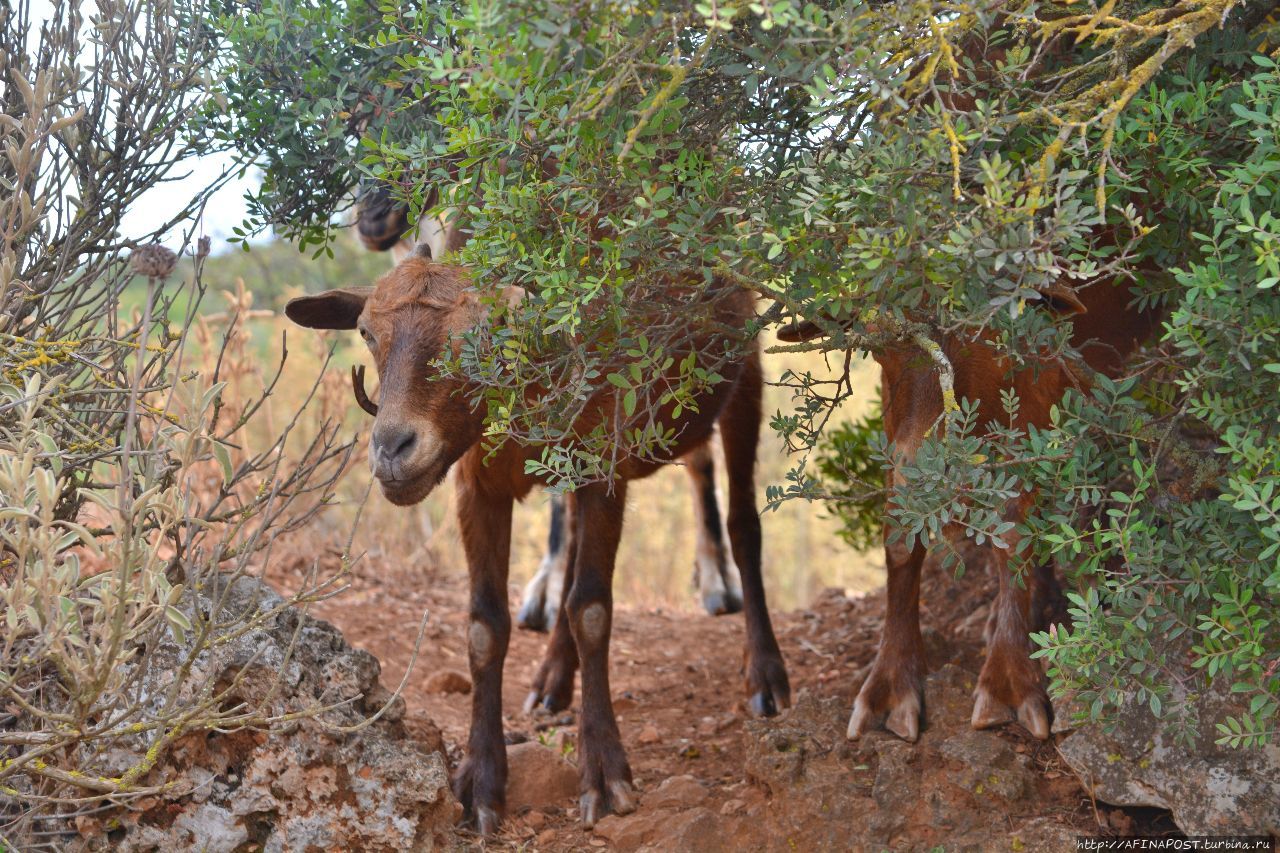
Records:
x=153, y=261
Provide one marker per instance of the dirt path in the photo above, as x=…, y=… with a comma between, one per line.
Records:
x=678, y=690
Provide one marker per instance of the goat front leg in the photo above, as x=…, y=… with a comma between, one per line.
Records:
x=1011, y=684
x=768, y=688
x=605, y=773
x=481, y=780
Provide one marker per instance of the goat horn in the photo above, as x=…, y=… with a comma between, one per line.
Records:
x=357, y=382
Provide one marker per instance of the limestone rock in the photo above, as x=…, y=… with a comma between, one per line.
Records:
x=303, y=786
x=1210, y=790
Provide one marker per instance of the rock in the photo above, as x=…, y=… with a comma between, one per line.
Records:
x=448, y=681
x=648, y=830
x=948, y=697
x=678, y=792
x=538, y=777
x=648, y=736
x=880, y=792
x=988, y=765
x=694, y=829
x=545, y=838
x=304, y=785
x=1210, y=790
x=629, y=832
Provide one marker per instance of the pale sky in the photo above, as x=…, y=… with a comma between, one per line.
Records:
x=225, y=210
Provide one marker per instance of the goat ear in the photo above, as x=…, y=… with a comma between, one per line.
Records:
x=333, y=309
x=1063, y=300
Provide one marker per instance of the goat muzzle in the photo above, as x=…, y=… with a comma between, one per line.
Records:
x=357, y=383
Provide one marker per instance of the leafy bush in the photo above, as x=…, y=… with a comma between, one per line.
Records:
x=851, y=465
x=892, y=172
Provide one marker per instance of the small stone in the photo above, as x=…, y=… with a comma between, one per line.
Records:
x=677, y=792
x=649, y=735
x=629, y=832
x=448, y=681
x=538, y=777
x=535, y=820
x=732, y=807
x=545, y=838
x=690, y=829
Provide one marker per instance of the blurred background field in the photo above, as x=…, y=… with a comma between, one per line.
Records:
x=803, y=552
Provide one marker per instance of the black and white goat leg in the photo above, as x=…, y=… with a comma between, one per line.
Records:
x=715, y=575
x=540, y=603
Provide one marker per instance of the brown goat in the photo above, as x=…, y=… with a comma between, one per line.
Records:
x=1107, y=329
x=426, y=425
x=382, y=223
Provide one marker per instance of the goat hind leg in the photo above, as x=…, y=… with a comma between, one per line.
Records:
x=553, y=685
x=542, y=596
x=1011, y=684
x=715, y=575
x=894, y=689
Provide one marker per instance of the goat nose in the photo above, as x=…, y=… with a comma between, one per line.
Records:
x=392, y=443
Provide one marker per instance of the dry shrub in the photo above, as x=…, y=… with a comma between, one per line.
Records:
x=144, y=464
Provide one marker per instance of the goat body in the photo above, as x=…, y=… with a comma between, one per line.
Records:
x=1107, y=329
x=425, y=425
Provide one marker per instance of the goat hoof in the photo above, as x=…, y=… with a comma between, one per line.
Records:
x=903, y=719
x=1032, y=712
x=1011, y=687
x=989, y=712
x=892, y=695
x=733, y=602
x=762, y=704
x=591, y=804
x=714, y=603
x=768, y=685
x=622, y=797
x=536, y=703
x=487, y=821
x=721, y=603
x=595, y=805
x=532, y=616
